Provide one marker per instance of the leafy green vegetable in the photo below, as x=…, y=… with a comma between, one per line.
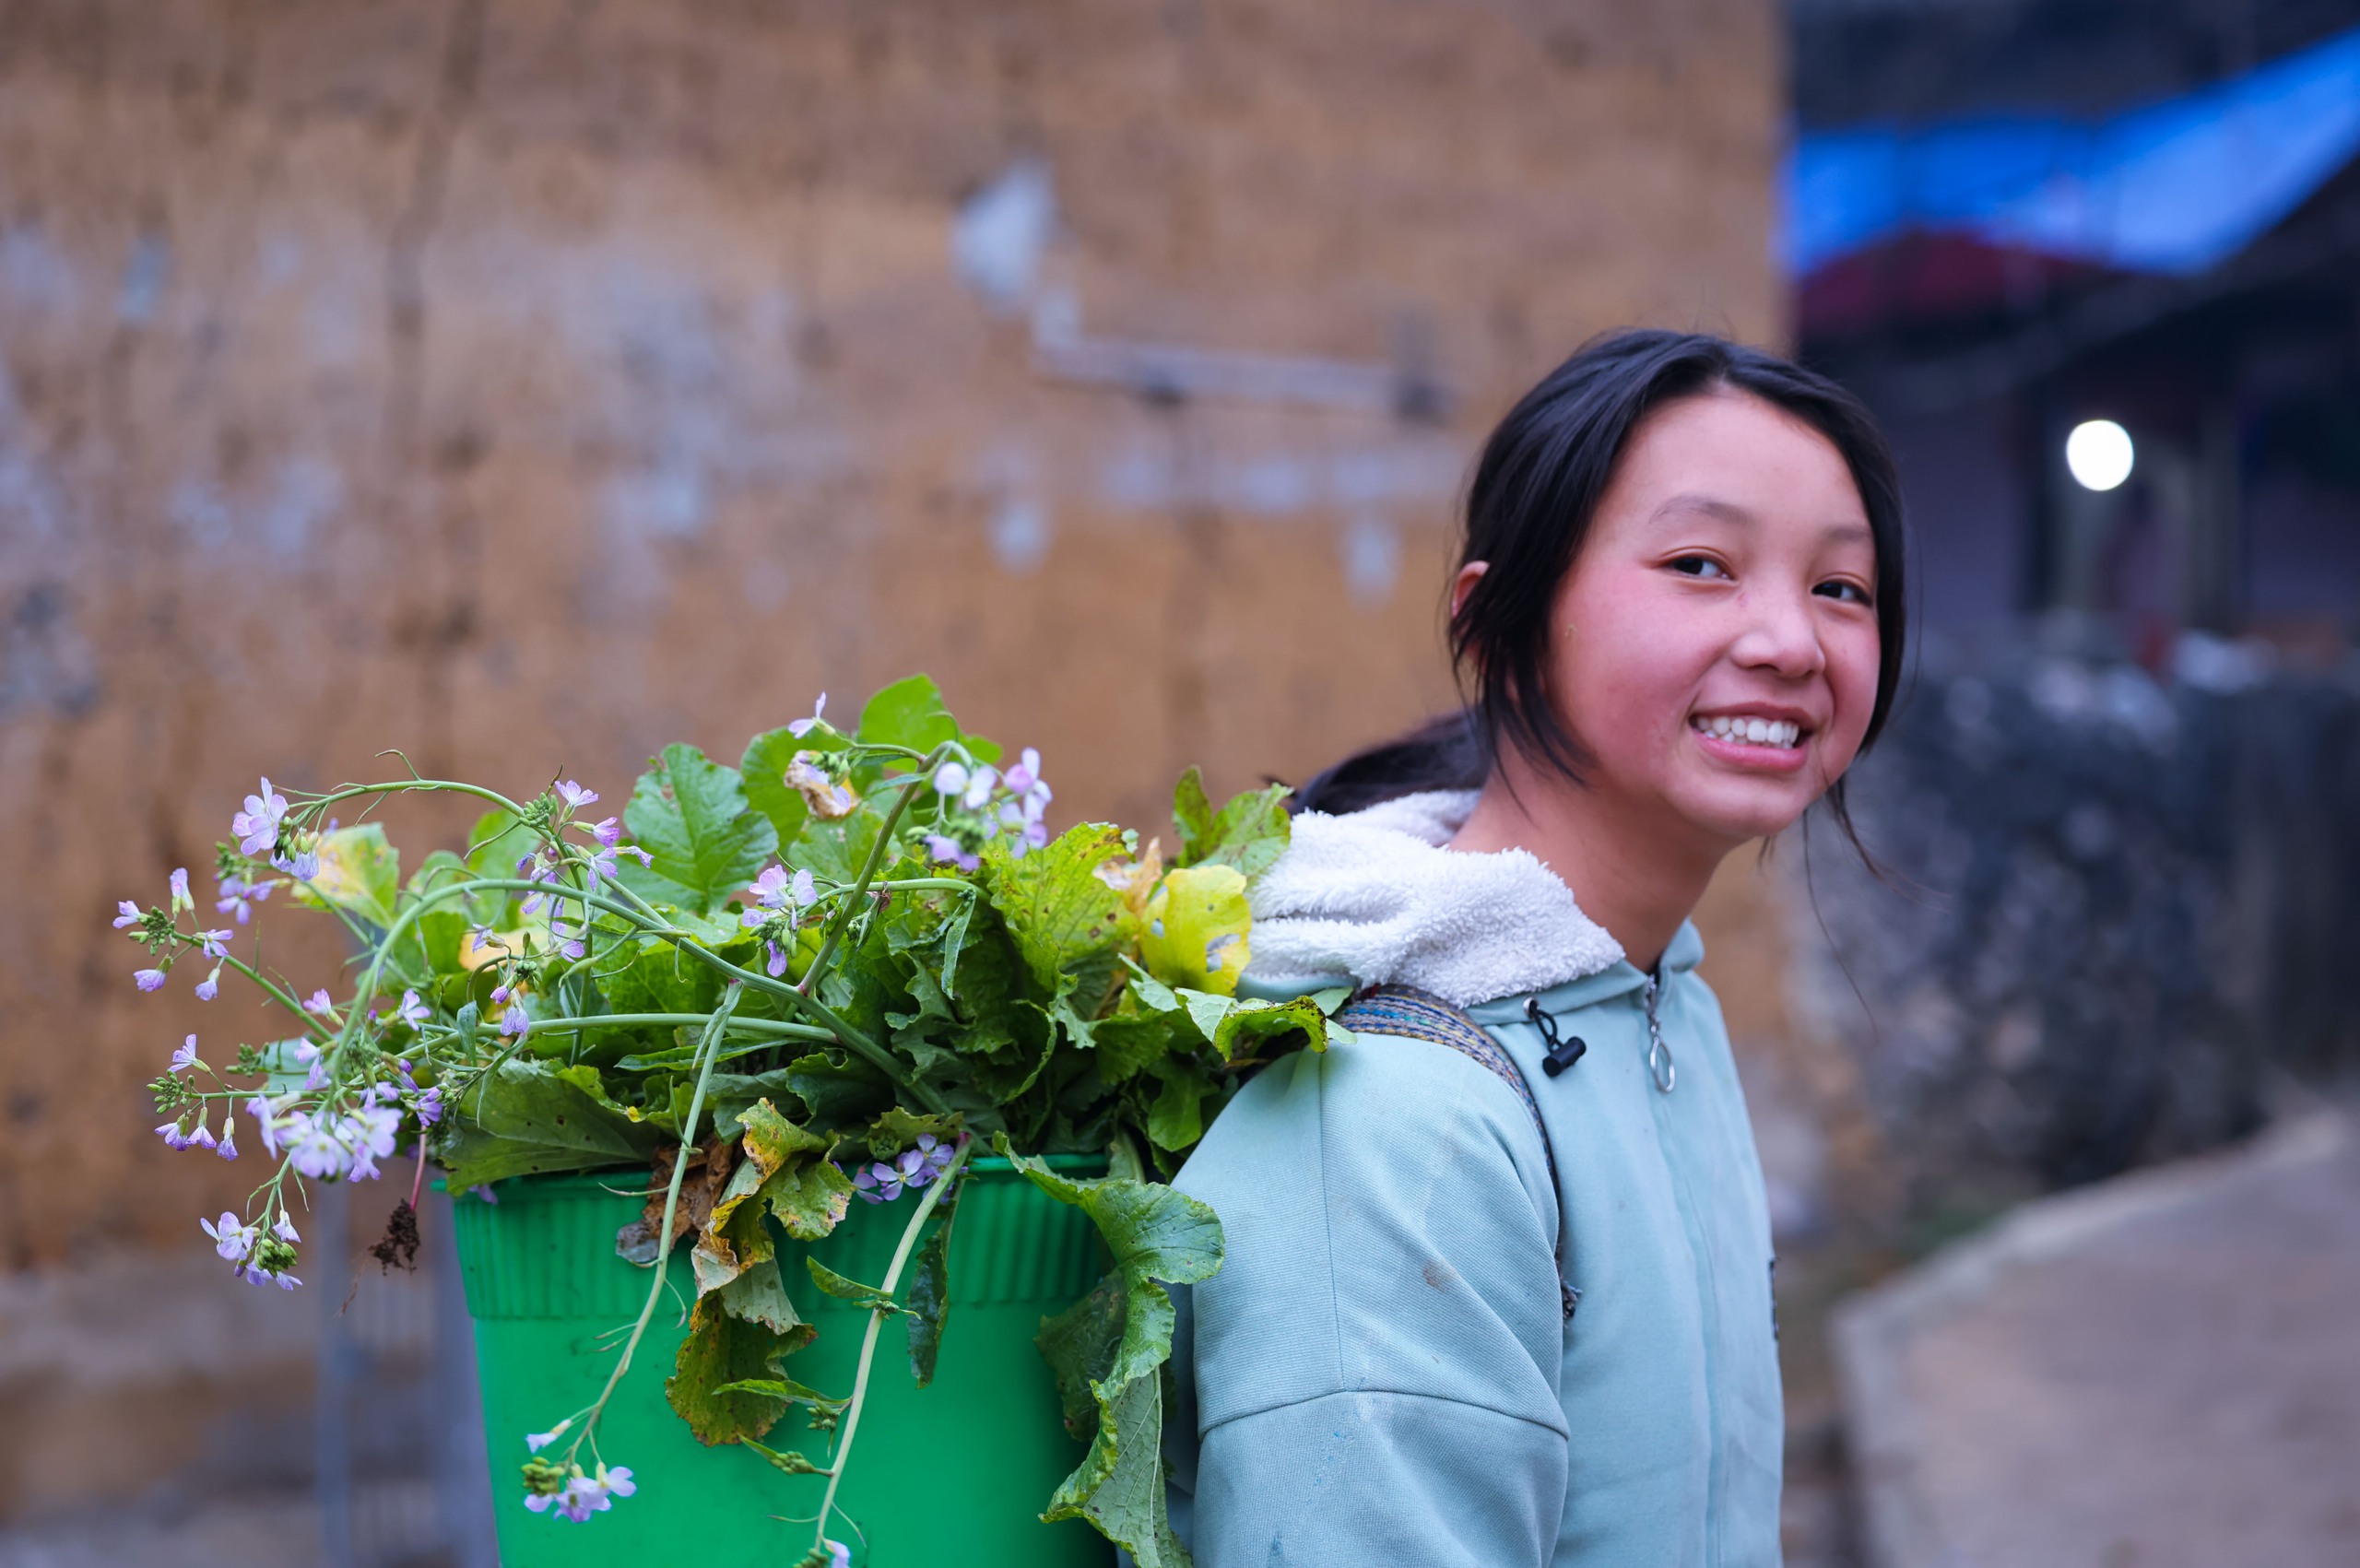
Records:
x=851, y=1290
x=721, y=1351
x=691, y=815
x=930, y=1295
x=1065, y=919
x=1197, y=929
x=360, y=874
x=525, y=1119
x=1248, y=833
x=1157, y=1236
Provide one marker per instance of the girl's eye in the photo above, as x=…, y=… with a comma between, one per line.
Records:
x=1698, y=566
x=1850, y=593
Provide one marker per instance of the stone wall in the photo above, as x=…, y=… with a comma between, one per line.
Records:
x=525, y=384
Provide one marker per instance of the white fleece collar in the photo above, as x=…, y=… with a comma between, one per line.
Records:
x=1374, y=896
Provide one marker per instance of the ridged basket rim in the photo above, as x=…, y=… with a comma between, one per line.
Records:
x=603, y=1179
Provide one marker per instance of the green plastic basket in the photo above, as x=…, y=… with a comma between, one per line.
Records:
x=956, y=1472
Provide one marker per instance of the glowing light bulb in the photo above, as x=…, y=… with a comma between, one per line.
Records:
x=2099, y=455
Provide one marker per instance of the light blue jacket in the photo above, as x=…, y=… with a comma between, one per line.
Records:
x=1382, y=1373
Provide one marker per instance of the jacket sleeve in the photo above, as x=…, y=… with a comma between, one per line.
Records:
x=1372, y=1376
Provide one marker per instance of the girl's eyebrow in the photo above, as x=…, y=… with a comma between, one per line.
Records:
x=1730, y=512
x=1712, y=506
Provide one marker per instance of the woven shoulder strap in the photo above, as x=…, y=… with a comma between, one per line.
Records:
x=1421, y=1014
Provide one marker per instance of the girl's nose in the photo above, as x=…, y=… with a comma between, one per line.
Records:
x=1780, y=635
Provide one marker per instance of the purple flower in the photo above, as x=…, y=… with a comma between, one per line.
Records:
x=429, y=1106
x=516, y=1020
x=312, y=1148
x=284, y=1229
x=215, y=944
x=568, y=940
x=318, y=1002
x=839, y=1555
x=603, y=864
x=229, y=1150
x=187, y=1055
x=303, y=866
x=945, y=848
x=537, y=1441
x=210, y=986
x=254, y=1276
x=150, y=979
x=801, y=727
x=778, y=892
x=864, y=1184
x=238, y=897
x=257, y=825
x=128, y=914
x=200, y=1137
x=231, y=1241
x=1025, y=829
x=608, y=830
x=573, y=795
x=777, y=963
x=174, y=1135
x=265, y=1121
x=412, y=1011
x=181, y=900
x=1026, y=774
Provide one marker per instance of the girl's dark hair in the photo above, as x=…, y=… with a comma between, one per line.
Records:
x=1528, y=508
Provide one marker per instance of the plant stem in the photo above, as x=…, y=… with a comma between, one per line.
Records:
x=399, y=786
x=708, y=1048
x=637, y=1021
x=869, y=868
x=876, y=1319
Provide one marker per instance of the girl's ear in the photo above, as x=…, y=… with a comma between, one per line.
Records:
x=1465, y=583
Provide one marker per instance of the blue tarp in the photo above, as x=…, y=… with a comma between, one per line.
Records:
x=2170, y=187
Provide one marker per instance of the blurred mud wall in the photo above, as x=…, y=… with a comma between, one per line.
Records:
x=525, y=384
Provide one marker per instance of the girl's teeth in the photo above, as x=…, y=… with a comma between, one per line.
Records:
x=1750, y=731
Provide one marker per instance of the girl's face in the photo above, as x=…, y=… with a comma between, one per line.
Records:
x=1717, y=641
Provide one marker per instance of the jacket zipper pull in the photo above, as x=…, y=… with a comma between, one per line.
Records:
x=1561, y=1054
x=1658, y=1053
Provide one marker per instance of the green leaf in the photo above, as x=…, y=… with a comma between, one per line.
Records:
x=1248, y=1026
x=1156, y=1236
x=763, y=770
x=721, y=1351
x=851, y=1290
x=930, y=1296
x=360, y=874
x=494, y=846
x=691, y=815
x=839, y=1089
x=898, y=1130
x=1197, y=928
x=1176, y=1121
x=522, y=1119
x=908, y=713
x=1064, y=919
x=1248, y=833
x=787, y=1389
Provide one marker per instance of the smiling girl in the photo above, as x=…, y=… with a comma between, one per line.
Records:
x=1498, y=1278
